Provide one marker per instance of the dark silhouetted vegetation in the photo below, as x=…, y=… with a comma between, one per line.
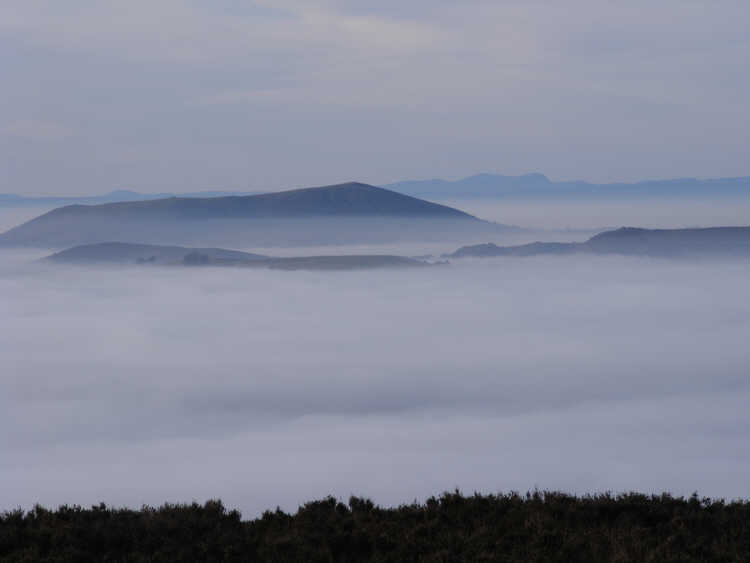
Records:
x=534, y=527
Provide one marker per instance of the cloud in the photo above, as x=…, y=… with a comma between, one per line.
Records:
x=38, y=130
x=267, y=388
x=185, y=33
x=226, y=94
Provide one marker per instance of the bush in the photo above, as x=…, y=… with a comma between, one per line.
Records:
x=538, y=526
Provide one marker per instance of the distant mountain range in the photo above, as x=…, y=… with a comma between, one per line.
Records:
x=146, y=254
x=344, y=213
x=539, y=186
x=668, y=243
x=533, y=185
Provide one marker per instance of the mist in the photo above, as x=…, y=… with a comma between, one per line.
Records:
x=265, y=388
x=599, y=213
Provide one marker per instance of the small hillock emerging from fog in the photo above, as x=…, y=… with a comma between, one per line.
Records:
x=510, y=528
x=125, y=253
x=147, y=254
x=668, y=243
x=344, y=213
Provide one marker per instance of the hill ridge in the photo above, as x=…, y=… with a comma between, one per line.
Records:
x=319, y=200
x=707, y=241
x=146, y=254
x=245, y=220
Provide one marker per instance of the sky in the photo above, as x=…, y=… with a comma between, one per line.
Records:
x=269, y=388
x=185, y=96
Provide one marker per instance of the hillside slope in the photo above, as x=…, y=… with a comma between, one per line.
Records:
x=346, y=213
x=126, y=253
x=713, y=241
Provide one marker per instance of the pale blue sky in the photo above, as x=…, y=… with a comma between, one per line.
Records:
x=184, y=96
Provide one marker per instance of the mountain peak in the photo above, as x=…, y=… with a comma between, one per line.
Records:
x=253, y=218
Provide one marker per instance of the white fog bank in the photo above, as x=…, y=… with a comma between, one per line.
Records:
x=270, y=388
x=605, y=213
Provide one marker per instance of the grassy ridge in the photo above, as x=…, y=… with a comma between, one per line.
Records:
x=534, y=527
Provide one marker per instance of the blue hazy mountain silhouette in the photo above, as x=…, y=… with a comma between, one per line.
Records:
x=706, y=242
x=539, y=186
x=344, y=213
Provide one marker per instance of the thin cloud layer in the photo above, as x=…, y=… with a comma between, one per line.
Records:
x=270, y=388
x=268, y=95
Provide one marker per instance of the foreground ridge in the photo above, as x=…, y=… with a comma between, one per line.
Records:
x=538, y=526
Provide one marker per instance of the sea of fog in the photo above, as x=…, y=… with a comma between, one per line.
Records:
x=604, y=213
x=265, y=388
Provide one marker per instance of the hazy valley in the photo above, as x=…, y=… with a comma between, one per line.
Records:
x=402, y=382
x=352, y=281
